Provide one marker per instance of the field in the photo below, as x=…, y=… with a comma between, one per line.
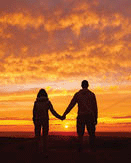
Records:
x=62, y=149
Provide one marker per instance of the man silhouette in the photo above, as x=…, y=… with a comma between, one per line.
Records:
x=87, y=113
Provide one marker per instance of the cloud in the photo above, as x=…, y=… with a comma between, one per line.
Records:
x=108, y=7
x=124, y=117
x=15, y=118
x=62, y=40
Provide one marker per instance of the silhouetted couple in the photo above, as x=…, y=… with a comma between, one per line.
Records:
x=87, y=115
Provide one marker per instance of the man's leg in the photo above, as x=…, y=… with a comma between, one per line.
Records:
x=80, y=143
x=91, y=131
x=80, y=132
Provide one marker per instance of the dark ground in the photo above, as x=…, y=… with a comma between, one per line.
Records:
x=63, y=149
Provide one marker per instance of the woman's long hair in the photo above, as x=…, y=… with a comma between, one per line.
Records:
x=42, y=92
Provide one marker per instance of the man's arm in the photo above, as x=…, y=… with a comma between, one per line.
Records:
x=95, y=109
x=70, y=106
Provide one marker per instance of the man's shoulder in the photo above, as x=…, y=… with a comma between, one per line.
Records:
x=87, y=92
x=92, y=93
x=76, y=94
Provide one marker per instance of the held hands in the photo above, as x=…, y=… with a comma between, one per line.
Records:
x=63, y=117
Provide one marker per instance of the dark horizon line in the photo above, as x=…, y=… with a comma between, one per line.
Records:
x=31, y=134
x=65, y=132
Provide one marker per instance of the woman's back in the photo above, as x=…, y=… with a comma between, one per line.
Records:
x=41, y=108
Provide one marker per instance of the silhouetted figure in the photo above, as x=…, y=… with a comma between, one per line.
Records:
x=41, y=118
x=87, y=113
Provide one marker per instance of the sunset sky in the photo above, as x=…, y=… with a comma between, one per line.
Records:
x=55, y=44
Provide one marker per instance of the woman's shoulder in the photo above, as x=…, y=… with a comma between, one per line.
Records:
x=42, y=99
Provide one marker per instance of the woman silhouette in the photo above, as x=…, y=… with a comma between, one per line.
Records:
x=41, y=118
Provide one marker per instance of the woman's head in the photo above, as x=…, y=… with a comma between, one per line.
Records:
x=42, y=92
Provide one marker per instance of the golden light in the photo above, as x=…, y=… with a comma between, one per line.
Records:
x=66, y=126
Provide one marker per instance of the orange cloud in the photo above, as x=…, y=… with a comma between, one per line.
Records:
x=63, y=40
x=125, y=117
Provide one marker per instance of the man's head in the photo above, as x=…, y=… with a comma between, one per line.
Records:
x=84, y=84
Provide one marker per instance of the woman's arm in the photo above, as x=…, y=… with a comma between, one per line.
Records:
x=53, y=111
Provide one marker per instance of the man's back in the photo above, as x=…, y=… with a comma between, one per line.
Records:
x=86, y=103
x=85, y=99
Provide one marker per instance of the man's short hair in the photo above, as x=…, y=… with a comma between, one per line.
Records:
x=84, y=84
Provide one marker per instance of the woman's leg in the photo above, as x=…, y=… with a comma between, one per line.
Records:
x=37, y=135
x=45, y=136
x=37, y=129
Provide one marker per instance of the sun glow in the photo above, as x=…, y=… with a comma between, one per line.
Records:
x=66, y=126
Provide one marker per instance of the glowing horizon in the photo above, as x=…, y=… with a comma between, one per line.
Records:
x=16, y=110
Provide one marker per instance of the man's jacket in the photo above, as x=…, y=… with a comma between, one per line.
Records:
x=87, y=104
